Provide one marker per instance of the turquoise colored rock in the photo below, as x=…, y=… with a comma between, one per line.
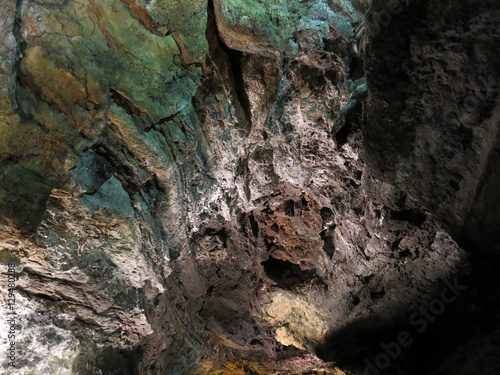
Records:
x=281, y=20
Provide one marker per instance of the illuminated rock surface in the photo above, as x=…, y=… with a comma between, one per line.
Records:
x=249, y=187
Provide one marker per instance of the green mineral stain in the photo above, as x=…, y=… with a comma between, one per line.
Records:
x=359, y=91
x=189, y=18
x=112, y=45
x=281, y=19
x=110, y=195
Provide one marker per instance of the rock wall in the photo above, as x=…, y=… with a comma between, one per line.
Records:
x=229, y=187
x=434, y=129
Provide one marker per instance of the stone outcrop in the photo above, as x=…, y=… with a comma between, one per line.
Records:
x=247, y=187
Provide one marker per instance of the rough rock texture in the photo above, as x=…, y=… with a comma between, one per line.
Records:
x=447, y=89
x=248, y=187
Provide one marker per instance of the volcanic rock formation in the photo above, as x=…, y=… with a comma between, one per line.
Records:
x=250, y=186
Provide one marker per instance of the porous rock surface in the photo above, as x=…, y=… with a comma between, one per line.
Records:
x=244, y=187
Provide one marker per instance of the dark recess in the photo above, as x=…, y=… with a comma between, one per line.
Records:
x=286, y=274
x=414, y=217
x=109, y=361
x=290, y=208
x=233, y=58
x=328, y=245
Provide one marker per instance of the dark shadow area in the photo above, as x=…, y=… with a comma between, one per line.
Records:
x=360, y=340
x=342, y=135
x=483, y=224
x=414, y=217
x=458, y=337
x=465, y=339
x=235, y=58
x=225, y=70
x=286, y=274
x=288, y=351
x=23, y=196
x=254, y=225
x=407, y=340
x=328, y=244
x=106, y=361
x=290, y=208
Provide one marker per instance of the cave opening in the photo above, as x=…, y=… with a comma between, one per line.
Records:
x=286, y=274
x=414, y=217
x=290, y=208
x=328, y=244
